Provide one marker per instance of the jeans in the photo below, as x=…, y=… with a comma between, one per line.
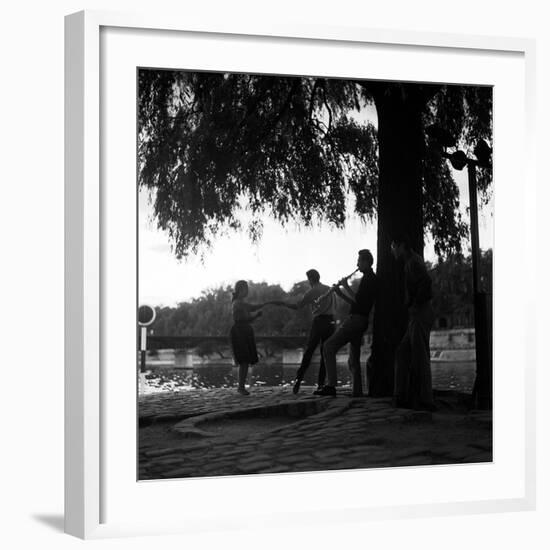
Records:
x=413, y=374
x=351, y=331
x=322, y=328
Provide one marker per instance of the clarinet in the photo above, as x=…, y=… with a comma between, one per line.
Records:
x=317, y=301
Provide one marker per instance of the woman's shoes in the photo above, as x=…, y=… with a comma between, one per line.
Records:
x=243, y=391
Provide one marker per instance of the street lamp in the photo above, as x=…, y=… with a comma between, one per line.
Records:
x=482, y=395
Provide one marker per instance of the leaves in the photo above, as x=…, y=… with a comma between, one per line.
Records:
x=288, y=147
x=452, y=285
x=285, y=146
x=464, y=112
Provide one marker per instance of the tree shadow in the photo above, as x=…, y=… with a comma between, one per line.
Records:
x=55, y=522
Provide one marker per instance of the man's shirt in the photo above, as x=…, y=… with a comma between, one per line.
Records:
x=326, y=306
x=418, y=284
x=365, y=295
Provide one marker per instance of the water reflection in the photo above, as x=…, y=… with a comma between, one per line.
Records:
x=458, y=376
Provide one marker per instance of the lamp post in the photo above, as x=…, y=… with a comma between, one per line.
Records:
x=482, y=394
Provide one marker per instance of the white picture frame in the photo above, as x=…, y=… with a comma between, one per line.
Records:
x=89, y=414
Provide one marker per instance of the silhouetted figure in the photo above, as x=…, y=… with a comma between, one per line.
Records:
x=242, y=338
x=323, y=304
x=354, y=326
x=413, y=375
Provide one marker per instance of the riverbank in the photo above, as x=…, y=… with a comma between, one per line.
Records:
x=216, y=432
x=458, y=376
x=454, y=345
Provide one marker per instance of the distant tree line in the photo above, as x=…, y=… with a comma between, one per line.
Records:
x=452, y=280
x=210, y=313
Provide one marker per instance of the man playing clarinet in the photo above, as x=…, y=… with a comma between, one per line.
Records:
x=354, y=326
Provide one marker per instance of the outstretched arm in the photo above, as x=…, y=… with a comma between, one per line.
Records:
x=281, y=303
x=303, y=302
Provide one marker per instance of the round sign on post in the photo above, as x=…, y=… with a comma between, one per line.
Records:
x=146, y=316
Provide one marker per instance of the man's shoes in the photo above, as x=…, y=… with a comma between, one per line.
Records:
x=296, y=387
x=357, y=394
x=243, y=391
x=319, y=388
x=326, y=390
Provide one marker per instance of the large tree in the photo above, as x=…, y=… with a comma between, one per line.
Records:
x=293, y=148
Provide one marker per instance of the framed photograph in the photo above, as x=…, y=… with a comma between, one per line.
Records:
x=290, y=255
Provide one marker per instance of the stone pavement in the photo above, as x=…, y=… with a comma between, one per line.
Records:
x=197, y=433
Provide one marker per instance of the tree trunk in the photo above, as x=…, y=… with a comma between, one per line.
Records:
x=401, y=152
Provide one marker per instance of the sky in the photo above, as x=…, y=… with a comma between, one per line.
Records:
x=282, y=256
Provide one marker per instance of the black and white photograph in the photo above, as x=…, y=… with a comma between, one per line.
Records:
x=315, y=274
x=288, y=265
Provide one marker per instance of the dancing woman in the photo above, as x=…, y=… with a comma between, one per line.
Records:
x=242, y=338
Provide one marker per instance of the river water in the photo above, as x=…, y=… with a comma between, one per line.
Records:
x=458, y=376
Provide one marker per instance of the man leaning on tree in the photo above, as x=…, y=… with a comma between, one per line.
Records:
x=413, y=376
x=354, y=326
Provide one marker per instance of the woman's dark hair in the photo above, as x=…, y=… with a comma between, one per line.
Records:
x=239, y=285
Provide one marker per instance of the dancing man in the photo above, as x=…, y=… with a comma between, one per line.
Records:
x=323, y=304
x=354, y=326
x=413, y=375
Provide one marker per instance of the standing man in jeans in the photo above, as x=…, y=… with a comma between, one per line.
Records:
x=354, y=326
x=323, y=304
x=413, y=375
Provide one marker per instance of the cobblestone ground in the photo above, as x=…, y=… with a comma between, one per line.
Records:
x=214, y=432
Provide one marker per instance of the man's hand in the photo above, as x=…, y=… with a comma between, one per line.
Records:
x=343, y=282
x=336, y=289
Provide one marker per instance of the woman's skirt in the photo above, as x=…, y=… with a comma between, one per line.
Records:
x=243, y=343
